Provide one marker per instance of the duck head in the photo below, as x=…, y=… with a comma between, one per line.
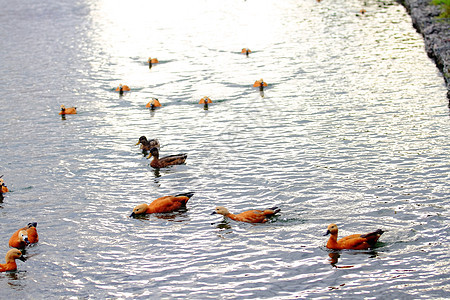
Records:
x=139, y=209
x=332, y=229
x=13, y=254
x=221, y=211
x=153, y=152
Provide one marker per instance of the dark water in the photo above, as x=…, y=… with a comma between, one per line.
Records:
x=353, y=129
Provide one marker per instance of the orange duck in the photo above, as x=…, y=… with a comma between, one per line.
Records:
x=4, y=188
x=122, y=88
x=10, y=258
x=162, y=205
x=354, y=241
x=152, y=61
x=177, y=159
x=260, y=83
x=153, y=104
x=246, y=51
x=205, y=101
x=146, y=145
x=68, y=110
x=24, y=236
x=250, y=216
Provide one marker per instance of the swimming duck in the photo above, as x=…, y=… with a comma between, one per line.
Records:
x=250, y=216
x=166, y=161
x=162, y=205
x=354, y=241
x=205, y=101
x=24, y=236
x=68, y=110
x=146, y=145
x=122, y=88
x=152, y=104
x=260, y=83
x=10, y=258
x=152, y=61
x=246, y=51
x=4, y=188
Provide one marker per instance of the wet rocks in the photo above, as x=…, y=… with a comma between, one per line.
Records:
x=436, y=33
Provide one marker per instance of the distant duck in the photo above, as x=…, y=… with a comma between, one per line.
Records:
x=122, y=88
x=146, y=145
x=354, y=241
x=162, y=205
x=166, y=161
x=68, y=110
x=24, y=236
x=10, y=258
x=261, y=84
x=4, y=188
x=205, y=101
x=363, y=11
x=246, y=51
x=153, y=104
x=250, y=216
x=152, y=61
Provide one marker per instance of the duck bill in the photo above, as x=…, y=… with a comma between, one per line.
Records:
x=150, y=155
x=22, y=258
x=327, y=233
x=213, y=213
x=132, y=215
x=137, y=143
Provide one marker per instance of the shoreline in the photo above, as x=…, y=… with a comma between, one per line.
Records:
x=435, y=32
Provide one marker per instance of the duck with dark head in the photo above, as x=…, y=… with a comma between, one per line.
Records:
x=177, y=159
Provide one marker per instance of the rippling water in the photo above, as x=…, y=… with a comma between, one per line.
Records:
x=353, y=129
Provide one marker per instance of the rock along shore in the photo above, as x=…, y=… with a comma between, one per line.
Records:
x=436, y=33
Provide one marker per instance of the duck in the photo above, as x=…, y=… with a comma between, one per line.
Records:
x=68, y=110
x=152, y=104
x=146, y=145
x=122, y=88
x=205, y=101
x=249, y=216
x=4, y=188
x=246, y=51
x=24, y=236
x=10, y=258
x=354, y=241
x=163, y=204
x=177, y=159
x=260, y=83
x=152, y=61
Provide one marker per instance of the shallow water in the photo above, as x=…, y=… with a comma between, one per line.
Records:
x=353, y=129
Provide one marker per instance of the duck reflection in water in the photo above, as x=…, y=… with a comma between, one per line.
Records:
x=335, y=255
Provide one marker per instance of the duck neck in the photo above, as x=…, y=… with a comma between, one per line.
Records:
x=332, y=241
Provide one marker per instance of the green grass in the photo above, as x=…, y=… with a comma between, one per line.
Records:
x=445, y=6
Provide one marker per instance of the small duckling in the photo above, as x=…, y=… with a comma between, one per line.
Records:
x=163, y=205
x=68, y=110
x=354, y=241
x=153, y=104
x=166, y=161
x=205, y=101
x=146, y=145
x=10, y=258
x=249, y=216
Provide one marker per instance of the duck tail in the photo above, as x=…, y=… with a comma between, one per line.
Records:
x=373, y=237
x=275, y=210
x=33, y=224
x=189, y=195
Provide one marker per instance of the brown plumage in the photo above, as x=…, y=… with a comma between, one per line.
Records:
x=24, y=236
x=250, y=216
x=146, y=145
x=10, y=258
x=354, y=241
x=166, y=161
x=162, y=205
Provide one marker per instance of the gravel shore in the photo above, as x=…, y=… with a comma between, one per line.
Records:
x=436, y=33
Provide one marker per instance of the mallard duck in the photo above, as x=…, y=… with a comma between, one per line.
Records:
x=152, y=61
x=260, y=83
x=246, y=51
x=157, y=162
x=10, y=258
x=250, y=216
x=163, y=205
x=68, y=110
x=354, y=241
x=146, y=145
x=153, y=104
x=205, y=101
x=24, y=236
